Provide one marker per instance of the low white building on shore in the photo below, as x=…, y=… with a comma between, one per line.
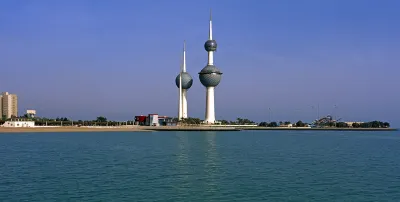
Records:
x=286, y=126
x=19, y=123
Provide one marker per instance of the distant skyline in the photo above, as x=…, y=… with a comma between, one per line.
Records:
x=83, y=59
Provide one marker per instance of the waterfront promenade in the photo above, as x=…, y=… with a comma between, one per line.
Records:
x=131, y=128
x=318, y=129
x=71, y=129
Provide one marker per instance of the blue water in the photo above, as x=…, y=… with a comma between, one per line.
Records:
x=201, y=166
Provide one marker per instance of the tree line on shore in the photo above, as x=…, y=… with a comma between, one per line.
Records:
x=244, y=121
x=371, y=124
x=197, y=121
x=103, y=121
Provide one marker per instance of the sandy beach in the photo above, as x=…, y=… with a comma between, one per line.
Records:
x=111, y=129
x=69, y=129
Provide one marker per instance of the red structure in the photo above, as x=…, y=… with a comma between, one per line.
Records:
x=140, y=120
x=154, y=120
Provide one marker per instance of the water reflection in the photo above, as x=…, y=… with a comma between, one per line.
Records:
x=211, y=166
x=183, y=149
x=197, y=165
x=182, y=164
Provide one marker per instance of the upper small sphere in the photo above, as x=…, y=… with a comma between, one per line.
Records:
x=210, y=76
x=210, y=45
x=187, y=80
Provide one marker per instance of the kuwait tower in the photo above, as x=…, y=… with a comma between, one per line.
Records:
x=210, y=76
x=183, y=81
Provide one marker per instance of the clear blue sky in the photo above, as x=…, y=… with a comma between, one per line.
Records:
x=81, y=59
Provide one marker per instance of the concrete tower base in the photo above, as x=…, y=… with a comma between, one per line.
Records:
x=184, y=104
x=210, y=107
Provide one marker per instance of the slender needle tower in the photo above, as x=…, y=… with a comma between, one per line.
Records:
x=210, y=76
x=183, y=81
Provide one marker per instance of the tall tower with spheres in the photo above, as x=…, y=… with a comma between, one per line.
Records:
x=210, y=76
x=183, y=81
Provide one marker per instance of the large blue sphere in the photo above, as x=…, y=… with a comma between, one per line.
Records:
x=210, y=45
x=210, y=76
x=187, y=80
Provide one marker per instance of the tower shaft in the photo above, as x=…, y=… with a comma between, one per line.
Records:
x=180, y=107
x=210, y=107
x=184, y=104
x=210, y=57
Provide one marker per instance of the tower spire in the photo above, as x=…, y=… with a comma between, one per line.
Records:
x=210, y=28
x=184, y=57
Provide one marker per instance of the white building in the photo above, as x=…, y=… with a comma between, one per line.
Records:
x=152, y=120
x=19, y=123
x=31, y=113
x=286, y=126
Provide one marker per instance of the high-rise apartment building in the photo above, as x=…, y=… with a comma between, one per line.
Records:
x=8, y=105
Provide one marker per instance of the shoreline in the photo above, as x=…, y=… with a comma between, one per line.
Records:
x=319, y=129
x=247, y=128
x=57, y=129
x=190, y=128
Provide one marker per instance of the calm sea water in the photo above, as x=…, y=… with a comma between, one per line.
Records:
x=201, y=166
